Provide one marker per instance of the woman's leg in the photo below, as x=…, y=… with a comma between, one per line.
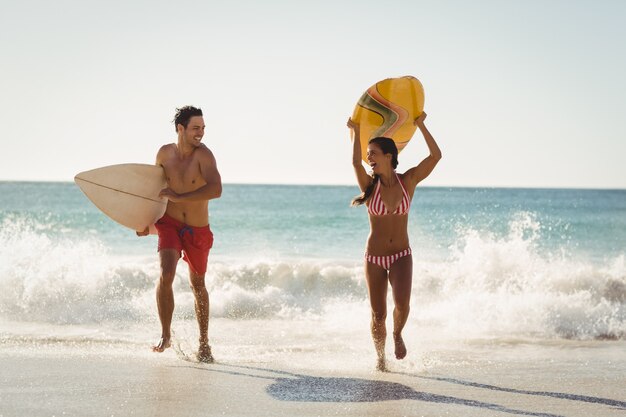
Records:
x=376, y=278
x=401, y=279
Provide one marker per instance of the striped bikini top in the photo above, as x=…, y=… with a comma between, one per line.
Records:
x=376, y=206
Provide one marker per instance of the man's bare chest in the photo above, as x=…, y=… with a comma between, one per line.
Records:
x=185, y=173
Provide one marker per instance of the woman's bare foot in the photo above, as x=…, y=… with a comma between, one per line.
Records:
x=400, y=347
x=163, y=344
x=381, y=365
x=204, y=353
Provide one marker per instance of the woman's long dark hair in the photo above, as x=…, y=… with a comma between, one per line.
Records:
x=386, y=145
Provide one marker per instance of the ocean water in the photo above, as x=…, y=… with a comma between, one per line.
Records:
x=286, y=271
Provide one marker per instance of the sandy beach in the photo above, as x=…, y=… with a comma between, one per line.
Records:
x=560, y=379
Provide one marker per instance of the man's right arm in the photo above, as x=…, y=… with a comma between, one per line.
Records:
x=150, y=229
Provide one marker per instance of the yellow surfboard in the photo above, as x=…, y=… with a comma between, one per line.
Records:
x=388, y=108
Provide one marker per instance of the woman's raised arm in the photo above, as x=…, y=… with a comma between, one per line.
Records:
x=416, y=174
x=363, y=179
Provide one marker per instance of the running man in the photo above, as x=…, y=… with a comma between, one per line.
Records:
x=193, y=180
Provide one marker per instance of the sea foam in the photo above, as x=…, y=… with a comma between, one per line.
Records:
x=491, y=286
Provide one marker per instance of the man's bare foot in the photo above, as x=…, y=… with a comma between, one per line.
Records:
x=204, y=353
x=400, y=347
x=381, y=365
x=163, y=344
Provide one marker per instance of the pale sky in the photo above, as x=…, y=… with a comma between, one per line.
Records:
x=518, y=93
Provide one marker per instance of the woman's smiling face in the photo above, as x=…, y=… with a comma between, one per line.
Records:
x=377, y=160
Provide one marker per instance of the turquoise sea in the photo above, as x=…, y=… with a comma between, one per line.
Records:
x=497, y=264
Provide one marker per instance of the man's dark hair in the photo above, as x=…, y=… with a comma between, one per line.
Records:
x=183, y=115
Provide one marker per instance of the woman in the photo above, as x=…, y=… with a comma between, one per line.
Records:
x=388, y=196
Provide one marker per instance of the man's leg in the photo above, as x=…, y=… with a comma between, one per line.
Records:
x=165, y=296
x=202, y=314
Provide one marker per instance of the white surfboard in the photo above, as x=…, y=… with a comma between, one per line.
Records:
x=127, y=193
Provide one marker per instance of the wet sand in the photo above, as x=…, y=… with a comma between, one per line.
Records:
x=581, y=380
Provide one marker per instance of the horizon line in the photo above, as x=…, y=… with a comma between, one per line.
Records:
x=520, y=187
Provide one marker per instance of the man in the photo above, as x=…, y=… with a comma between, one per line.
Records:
x=193, y=180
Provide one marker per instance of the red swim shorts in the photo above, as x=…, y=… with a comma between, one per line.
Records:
x=194, y=242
